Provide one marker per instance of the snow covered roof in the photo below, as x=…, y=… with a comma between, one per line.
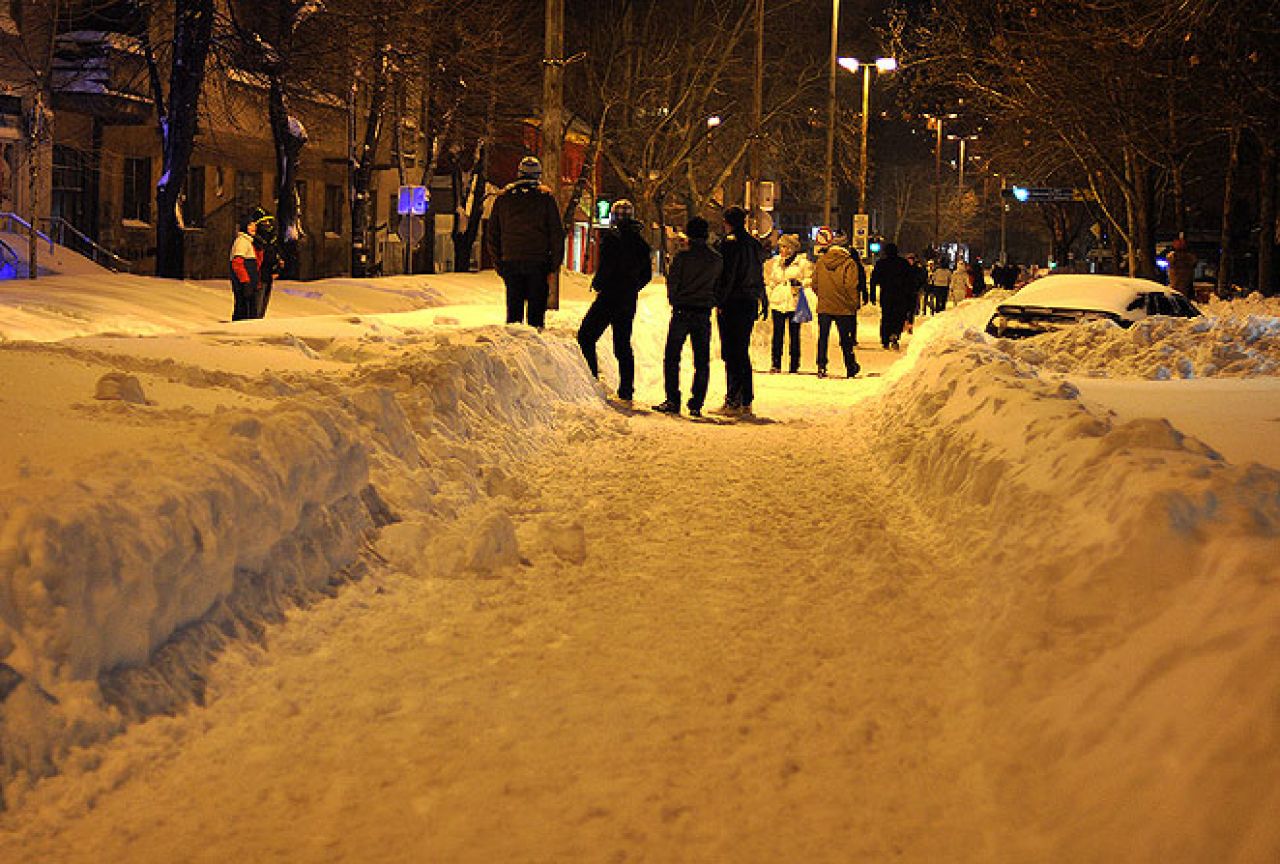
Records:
x=1083, y=291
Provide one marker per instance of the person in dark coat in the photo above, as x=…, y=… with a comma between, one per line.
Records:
x=625, y=267
x=740, y=301
x=266, y=243
x=691, y=288
x=525, y=236
x=895, y=279
x=244, y=270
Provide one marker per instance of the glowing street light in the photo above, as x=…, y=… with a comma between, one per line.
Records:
x=852, y=64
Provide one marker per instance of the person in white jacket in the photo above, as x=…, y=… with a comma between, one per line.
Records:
x=959, y=288
x=785, y=276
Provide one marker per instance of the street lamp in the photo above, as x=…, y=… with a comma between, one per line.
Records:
x=937, y=120
x=963, y=139
x=882, y=64
x=831, y=114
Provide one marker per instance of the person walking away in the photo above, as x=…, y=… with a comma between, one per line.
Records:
x=839, y=280
x=525, y=236
x=958, y=285
x=625, y=268
x=939, y=286
x=691, y=289
x=266, y=244
x=919, y=289
x=894, y=281
x=785, y=276
x=1182, y=268
x=740, y=300
x=244, y=270
x=977, y=281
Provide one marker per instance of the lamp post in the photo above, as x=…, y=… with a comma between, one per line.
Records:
x=882, y=64
x=938, y=120
x=831, y=113
x=963, y=139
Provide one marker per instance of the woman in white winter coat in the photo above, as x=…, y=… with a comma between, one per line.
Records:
x=785, y=276
x=959, y=287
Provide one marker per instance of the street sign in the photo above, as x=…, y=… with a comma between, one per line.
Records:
x=861, y=232
x=411, y=229
x=413, y=200
x=768, y=194
x=1047, y=195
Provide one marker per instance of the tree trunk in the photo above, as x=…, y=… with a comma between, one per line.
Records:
x=193, y=29
x=362, y=169
x=465, y=240
x=1228, y=195
x=289, y=137
x=1267, y=219
x=586, y=174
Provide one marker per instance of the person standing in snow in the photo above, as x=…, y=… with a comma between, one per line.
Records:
x=525, y=236
x=625, y=267
x=1182, y=268
x=785, y=276
x=894, y=279
x=740, y=300
x=691, y=288
x=977, y=279
x=265, y=243
x=244, y=270
x=939, y=286
x=958, y=284
x=839, y=280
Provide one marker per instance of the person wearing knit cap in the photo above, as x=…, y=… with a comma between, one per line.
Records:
x=740, y=301
x=525, y=236
x=786, y=275
x=839, y=281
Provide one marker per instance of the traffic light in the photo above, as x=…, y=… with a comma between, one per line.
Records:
x=603, y=205
x=875, y=245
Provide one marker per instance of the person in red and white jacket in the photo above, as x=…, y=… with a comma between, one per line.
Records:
x=244, y=270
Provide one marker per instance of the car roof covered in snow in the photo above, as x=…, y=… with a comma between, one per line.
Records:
x=1083, y=291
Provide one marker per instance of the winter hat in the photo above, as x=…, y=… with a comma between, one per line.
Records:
x=789, y=241
x=735, y=217
x=530, y=168
x=823, y=238
x=697, y=229
x=622, y=211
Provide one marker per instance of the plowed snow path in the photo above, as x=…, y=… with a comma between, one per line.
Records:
x=761, y=659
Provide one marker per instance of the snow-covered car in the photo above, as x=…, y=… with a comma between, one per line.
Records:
x=1058, y=301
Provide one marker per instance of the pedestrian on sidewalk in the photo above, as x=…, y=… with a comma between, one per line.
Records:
x=691, y=288
x=839, y=280
x=525, y=236
x=244, y=270
x=786, y=275
x=958, y=284
x=939, y=287
x=740, y=300
x=625, y=267
x=894, y=279
x=1182, y=268
x=266, y=244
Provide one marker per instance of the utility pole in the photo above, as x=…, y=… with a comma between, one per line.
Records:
x=831, y=113
x=757, y=117
x=866, y=130
x=937, y=185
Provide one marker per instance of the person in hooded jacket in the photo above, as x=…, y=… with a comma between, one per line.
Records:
x=266, y=244
x=244, y=270
x=625, y=267
x=895, y=280
x=525, y=236
x=691, y=288
x=839, y=281
x=740, y=300
x=785, y=276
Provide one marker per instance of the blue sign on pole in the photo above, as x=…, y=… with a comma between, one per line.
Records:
x=421, y=200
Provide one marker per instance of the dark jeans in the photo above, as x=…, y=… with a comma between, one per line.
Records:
x=244, y=294
x=893, y=318
x=526, y=285
x=938, y=298
x=617, y=313
x=694, y=324
x=784, y=324
x=264, y=298
x=737, y=318
x=845, y=329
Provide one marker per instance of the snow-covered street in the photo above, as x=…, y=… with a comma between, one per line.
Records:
x=411, y=590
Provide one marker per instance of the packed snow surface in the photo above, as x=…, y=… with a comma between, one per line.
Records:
x=379, y=578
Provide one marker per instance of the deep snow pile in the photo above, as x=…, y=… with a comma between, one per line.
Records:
x=1232, y=340
x=1131, y=621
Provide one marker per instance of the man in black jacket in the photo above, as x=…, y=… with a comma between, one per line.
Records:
x=525, y=236
x=740, y=300
x=625, y=268
x=896, y=281
x=691, y=288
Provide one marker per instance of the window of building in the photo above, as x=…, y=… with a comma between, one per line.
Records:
x=136, y=202
x=248, y=192
x=193, y=198
x=333, y=202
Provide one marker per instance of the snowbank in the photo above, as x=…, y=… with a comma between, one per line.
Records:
x=1125, y=585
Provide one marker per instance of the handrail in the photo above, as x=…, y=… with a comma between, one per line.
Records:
x=14, y=217
x=97, y=251
x=7, y=255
